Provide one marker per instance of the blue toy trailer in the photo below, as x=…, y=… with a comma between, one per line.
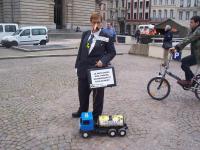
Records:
x=111, y=125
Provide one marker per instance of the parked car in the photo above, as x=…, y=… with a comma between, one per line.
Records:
x=7, y=29
x=31, y=35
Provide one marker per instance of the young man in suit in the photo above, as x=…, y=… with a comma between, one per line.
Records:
x=96, y=50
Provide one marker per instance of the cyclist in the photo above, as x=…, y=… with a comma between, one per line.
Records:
x=194, y=58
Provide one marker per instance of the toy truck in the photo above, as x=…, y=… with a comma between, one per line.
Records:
x=111, y=125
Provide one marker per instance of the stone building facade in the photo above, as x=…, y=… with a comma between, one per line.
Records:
x=186, y=9
x=138, y=12
x=179, y=10
x=67, y=14
x=116, y=14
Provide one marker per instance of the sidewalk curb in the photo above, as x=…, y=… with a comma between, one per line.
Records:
x=39, y=50
x=37, y=56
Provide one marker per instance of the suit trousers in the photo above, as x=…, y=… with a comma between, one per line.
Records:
x=84, y=94
x=186, y=63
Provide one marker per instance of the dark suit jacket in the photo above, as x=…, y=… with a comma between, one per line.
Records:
x=104, y=51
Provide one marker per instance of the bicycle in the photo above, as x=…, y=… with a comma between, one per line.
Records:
x=162, y=86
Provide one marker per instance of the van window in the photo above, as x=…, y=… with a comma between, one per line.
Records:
x=141, y=27
x=25, y=32
x=10, y=28
x=38, y=32
x=17, y=32
x=1, y=28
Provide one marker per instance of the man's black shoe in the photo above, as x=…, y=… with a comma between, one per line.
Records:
x=76, y=115
x=185, y=83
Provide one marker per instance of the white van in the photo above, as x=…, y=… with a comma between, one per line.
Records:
x=32, y=35
x=7, y=29
x=144, y=29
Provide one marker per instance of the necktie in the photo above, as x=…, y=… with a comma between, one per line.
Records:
x=89, y=42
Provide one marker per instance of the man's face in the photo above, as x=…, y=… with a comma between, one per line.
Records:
x=108, y=25
x=193, y=24
x=96, y=24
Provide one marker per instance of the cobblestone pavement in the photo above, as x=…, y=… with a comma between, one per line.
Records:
x=38, y=95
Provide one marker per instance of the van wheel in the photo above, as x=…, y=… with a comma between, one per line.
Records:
x=43, y=42
x=14, y=43
x=7, y=45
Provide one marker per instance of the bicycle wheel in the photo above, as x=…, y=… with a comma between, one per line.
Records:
x=158, y=88
x=197, y=86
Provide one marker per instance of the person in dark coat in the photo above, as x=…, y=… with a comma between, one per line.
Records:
x=167, y=43
x=96, y=50
x=137, y=35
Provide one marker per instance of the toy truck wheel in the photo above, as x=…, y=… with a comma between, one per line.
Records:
x=112, y=132
x=122, y=132
x=85, y=135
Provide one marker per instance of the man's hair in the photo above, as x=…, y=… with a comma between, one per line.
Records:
x=168, y=27
x=196, y=19
x=95, y=16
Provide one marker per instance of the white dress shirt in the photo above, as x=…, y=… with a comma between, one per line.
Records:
x=96, y=34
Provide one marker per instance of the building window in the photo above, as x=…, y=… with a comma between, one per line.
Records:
x=155, y=2
x=181, y=3
x=188, y=3
x=180, y=15
x=140, y=16
x=171, y=14
x=135, y=15
x=196, y=3
x=187, y=15
x=172, y=2
x=147, y=4
x=165, y=13
x=194, y=13
x=166, y=2
x=122, y=14
x=146, y=15
x=154, y=14
x=116, y=3
x=129, y=16
x=141, y=5
x=103, y=7
x=160, y=2
x=159, y=14
x=135, y=5
x=111, y=14
x=134, y=27
x=123, y=3
x=129, y=5
x=104, y=16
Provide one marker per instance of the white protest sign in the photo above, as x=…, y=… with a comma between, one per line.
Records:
x=102, y=78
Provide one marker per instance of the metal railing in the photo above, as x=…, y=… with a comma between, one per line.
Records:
x=160, y=40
